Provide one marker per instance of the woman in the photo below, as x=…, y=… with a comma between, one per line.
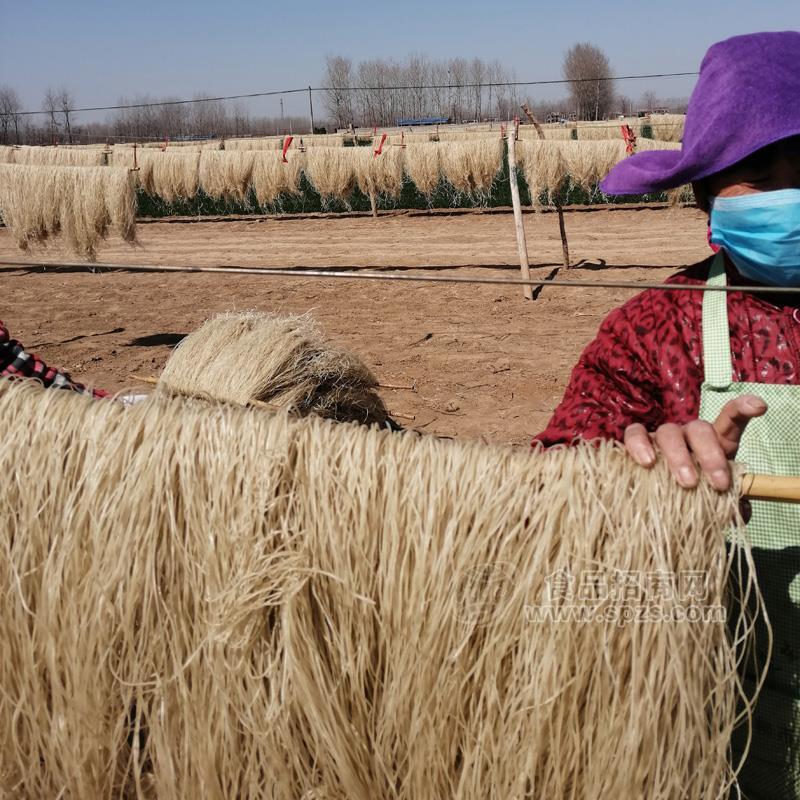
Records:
x=706, y=376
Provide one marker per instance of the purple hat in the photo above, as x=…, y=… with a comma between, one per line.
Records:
x=747, y=97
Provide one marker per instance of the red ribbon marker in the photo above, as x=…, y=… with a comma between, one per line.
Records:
x=286, y=144
x=380, y=146
x=630, y=139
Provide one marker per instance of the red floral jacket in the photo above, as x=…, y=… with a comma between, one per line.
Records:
x=646, y=363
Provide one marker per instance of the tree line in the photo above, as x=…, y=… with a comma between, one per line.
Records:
x=380, y=92
x=154, y=118
x=375, y=92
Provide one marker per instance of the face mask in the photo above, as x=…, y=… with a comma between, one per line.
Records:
x=761, y=234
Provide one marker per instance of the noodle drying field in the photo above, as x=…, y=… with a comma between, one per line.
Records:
x=485, y=362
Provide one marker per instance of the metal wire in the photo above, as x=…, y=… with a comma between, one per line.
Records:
x=274, y=92
x=356, y=274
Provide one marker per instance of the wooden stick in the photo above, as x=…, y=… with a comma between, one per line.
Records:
x=411, y=388
x=257, y=403
x=153, y=381
x=143, y=378
x=373, y=204
x=522, y=247
x=557, y=203
x=784, y=488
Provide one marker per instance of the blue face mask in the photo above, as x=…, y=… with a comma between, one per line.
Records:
x=761, y=234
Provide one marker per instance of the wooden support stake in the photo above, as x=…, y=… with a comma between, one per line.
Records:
x=522, y=247
x=561, y=229
x=373, y=204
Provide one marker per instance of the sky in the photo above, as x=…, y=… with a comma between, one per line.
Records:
x=103, y=51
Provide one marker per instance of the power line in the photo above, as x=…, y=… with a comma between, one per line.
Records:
x=351, y=274
x=277, y=92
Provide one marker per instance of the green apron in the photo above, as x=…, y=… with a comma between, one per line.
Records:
x=770, y=445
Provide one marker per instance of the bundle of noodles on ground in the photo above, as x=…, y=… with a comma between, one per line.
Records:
x=80, y=204
x=273, y=177
x=226, y=175
x=281, y=360
x=212, y=601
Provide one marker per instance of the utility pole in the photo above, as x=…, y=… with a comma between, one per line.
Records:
x=283, y=127
x=311, y=109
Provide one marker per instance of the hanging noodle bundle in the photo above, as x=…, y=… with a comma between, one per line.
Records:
x=282, y=360
x=258, y=143
x=81, y=204
x=169, y=174
x=273, y=177
x=331, y=171
x=471, y=166
x=209, y=601
x=551, y=131
x=224, y=174
x=544, y=167
x=379, y=174
x=667, y=127
x=60, y=156
x=587, y=163
x=422, y=165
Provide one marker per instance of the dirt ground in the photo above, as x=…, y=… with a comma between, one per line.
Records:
x=485, y=362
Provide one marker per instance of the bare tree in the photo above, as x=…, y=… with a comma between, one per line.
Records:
x=477, y=77
x=587, y=69
x=10, y=106
x=458, y=70
x=58, y=103
x=338, y=101
x=66, y=103
x=649, y=101
x=50, y=105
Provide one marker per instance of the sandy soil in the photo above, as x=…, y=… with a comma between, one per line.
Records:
x=485, y=362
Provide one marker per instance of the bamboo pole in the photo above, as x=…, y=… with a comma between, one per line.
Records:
x=522, y=247
x=784, y=488
x=556, y=202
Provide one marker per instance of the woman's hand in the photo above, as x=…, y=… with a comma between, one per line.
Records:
x=710, y=446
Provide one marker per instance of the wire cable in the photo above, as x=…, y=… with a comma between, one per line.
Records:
x=355, y=274
x=275, y=92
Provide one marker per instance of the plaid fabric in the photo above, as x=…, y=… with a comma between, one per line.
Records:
x=16, y=362
x=770, y=445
